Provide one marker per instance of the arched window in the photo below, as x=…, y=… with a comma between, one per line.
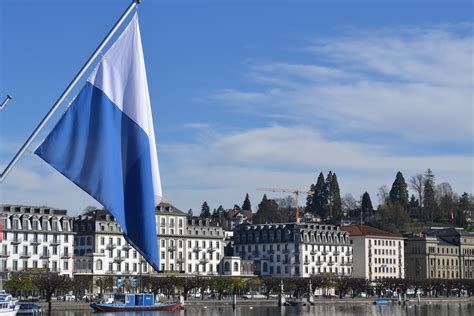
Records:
x=236, y=267
x=227, y=267
x=98, y=265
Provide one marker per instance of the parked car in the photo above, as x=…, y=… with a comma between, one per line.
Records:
x=253, y=295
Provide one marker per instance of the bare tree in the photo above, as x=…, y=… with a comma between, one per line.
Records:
x=383, y=194
x=349, y=203
x=417, y=183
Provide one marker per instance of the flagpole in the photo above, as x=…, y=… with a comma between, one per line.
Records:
x=68, y=90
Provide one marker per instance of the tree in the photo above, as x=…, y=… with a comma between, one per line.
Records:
x=318, y=203
x=105, y=284
x=349, y=203
x=50, y=284
x=429, y=200
x=446, y=200
x=393, y=217
x=382, y=194
x=413, y=201
x=399, y=192
x=417, y=183
x=205, y=211
x=246, y=206
x=81, y=284
x=189, y=214
x=366, y=206
x=335, y=201
x=19, y=282
x=268, y=212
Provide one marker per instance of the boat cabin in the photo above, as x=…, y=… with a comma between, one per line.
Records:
x=136, y=299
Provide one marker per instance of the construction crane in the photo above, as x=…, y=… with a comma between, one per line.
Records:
x=295, y=192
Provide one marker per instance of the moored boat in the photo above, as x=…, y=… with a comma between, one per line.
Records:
x=28, y=308
x=8, y=305
x=381, y=301
x=135, y=303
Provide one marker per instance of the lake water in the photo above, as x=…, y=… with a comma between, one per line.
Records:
x=319, y=310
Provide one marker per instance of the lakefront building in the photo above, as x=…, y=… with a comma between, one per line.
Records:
x=291, y=249
x=440, y=253
x=188, y=247
x=35, y=238
x=377, y=254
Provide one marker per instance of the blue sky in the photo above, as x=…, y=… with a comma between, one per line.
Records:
x=249, y=94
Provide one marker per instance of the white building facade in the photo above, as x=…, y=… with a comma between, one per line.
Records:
x=186, y=247
x=291, y=249
x=377, y=254
x=35, y=238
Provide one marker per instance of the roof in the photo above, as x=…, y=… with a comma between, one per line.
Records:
x=362, y=230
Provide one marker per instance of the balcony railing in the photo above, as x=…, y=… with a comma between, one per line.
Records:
x=45, y=255
x=330, y=263
x=126, y=247
x=36, y=242
x=306, y=262
x=313, y=252
x=211, y=249
x=17, y=241
x=324, y=252
x=65, y=256
x=348, y=253
x=286, y=251
x=111, y=246
x=5, y=253
x=197, y=249
x=171, y=248
x=119, y=259
x=319, y=262
x=285, y=261
x=336, y=253
x=180, y=261
x=55, y=243
x=203, y=261
x=25, y=255
x=271, y=252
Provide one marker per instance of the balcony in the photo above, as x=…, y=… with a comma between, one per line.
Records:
x=197, y=249
x=16, y=241
x=65, y=256
x=45, y=256
x=306, y=262
x=25, y=255
x=324, y=252
x=110, y=246
x=211, y=250
x=313, y=252
x=126, y=247
x=319, y=262
x=180, y=261
x=285, y=261
x=348, y=253
x=349, y=263
x=55, y=243
x=271, y=252
x=5, y=253
x=203, y=261
x=119, y=259
x=171, y=248
x=330, y=263
x=36, y=242
x=286, y=250
x=336, y=253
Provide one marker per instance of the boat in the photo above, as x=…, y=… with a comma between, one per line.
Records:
x=8, y=305
x=28, y=308
x=381, y=301
x=135, y=303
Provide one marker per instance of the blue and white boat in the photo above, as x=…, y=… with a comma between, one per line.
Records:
x=8, y=305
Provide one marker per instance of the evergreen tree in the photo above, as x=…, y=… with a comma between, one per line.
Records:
x=268, y=212
x=246, y=206
x=319, y=203
x=366, y=205
x=205, y=211
x=429, y=199
x=464, y=202
x=335, y=199
x=399, y=192
x=413, y=201
x=189, y=214
x=309, y=199
x=328, y=194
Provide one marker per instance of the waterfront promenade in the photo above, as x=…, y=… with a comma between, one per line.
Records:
x=81, y=306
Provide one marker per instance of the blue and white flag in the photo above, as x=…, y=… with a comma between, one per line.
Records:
x=105, y=142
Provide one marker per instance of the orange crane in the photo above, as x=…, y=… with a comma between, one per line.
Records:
x=295, y=192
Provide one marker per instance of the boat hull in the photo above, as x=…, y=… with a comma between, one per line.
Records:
x=123, y=308
x=9, y=312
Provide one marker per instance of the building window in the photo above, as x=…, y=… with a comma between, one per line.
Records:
x=98, y=265
x=227, y=267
